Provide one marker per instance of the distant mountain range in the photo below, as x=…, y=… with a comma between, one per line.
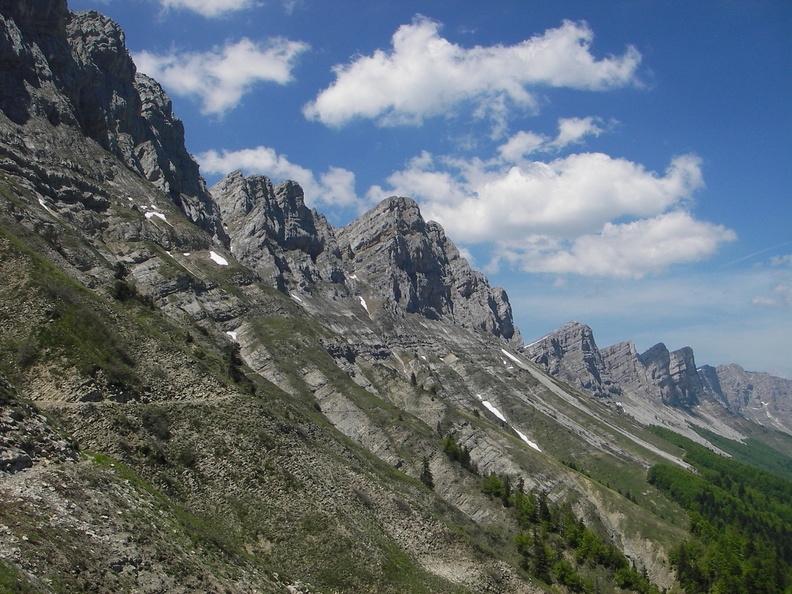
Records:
x=661, y=376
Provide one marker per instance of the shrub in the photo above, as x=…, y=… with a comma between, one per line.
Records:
x=156, y=423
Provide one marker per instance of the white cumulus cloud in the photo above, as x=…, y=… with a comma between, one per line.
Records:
x=481, y=201
x=585, y=213
x=570, y=131
x=221, y=76
x=208, y=8
x=628, y=250
x=334, y=187
x=424, y=74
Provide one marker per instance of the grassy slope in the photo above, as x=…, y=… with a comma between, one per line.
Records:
x=91, y=332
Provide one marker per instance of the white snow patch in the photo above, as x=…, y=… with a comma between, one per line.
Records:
x=353, y=276
x=297, y=299
x=159, y=215
x=233, y=335
x=186, y=254
x=364, y=304
x=217, y=259
x=423, y=357
x=129, y=198
x=493, y=410
x=512, y=357
x=526, y=440
x=47, y=208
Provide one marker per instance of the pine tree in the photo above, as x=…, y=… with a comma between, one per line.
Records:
x=506, y=491
x=426, y=474
x=540, y=564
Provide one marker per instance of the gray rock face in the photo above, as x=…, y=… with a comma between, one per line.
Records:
x=666, y=377
x=74, y=70
x=390, y=253
x=624, y=366
x=672, y=375
x=412, y=263
x=273, y=232
x=761, y=397
x=572, y=354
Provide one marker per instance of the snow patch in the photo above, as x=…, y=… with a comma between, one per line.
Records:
x=47, y=208
x=297, y=299
x=364, y=304
x=526, y=440
x=233, y=335
x=159, y=215
x=354, y=276
x=488, y=405
x=185, y=253
x=512, y=357
x=493, y=410
x=216, y=258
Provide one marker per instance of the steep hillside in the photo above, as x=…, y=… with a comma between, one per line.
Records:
x=218, y=391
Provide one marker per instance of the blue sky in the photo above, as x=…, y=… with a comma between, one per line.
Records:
x=626, y=164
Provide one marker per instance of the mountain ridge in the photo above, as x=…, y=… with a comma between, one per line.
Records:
x=670, y=377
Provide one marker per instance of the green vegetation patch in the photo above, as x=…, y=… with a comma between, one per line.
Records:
x=740, y=516
x=557, y=547
x=13, y=581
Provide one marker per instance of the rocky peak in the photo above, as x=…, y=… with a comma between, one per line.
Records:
x=685, y=377
x=710, y=383
x=572, y=354
x=393, y=217
x=412, y=263
x=624, y=366
x=38, y=17
x=673, y=375
x=74, y=70
x=273, y=232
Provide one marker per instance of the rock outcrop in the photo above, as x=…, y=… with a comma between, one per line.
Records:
x=390, y=253
x=760, y=397
x=672, y=375
x=74, y=70
x=275, y=234
x=412, y=263
x=572, y=354
x=624, y=366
